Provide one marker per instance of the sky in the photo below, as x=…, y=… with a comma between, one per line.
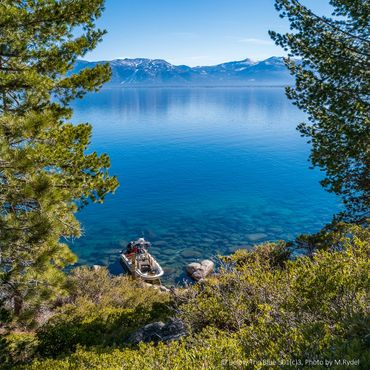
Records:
x=192, y=32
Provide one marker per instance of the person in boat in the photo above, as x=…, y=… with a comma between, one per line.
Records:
x=138, y=247
x=137, y=259
x=130, y=248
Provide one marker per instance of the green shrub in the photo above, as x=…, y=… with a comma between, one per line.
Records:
x=261, y=311
x=99, y=287
x=309, y=308
x=17, y=348
x=268, y=255
x=211, y=350
x=102, y=310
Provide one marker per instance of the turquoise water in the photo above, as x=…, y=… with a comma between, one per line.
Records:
x=203, y=171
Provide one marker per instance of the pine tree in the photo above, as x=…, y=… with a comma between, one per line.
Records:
x=46, y=172
x=332, y=84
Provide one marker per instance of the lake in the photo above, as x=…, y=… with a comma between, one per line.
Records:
x=203, y=171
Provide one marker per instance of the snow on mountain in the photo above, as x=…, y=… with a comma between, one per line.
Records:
x=158, y=72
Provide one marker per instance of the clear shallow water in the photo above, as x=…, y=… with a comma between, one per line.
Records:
x=202, y=172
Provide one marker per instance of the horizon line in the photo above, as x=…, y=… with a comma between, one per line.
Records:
x=176, y=65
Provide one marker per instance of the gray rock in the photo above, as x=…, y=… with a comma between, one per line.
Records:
x=163, y=288
x=276, y=229
x=198, y=275
x=192, y=267
x=159, y=331
x=160, y=243
x=208, y=240
x=163, y=252
x=173, y=329
x=189, y=253
x=201, y=270
x=207, y=266
x=255, y=236
x=169, y=270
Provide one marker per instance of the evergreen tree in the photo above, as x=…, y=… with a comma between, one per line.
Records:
x=332, y=84
x=46, y=173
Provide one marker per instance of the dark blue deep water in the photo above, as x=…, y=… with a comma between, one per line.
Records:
x=202, y=172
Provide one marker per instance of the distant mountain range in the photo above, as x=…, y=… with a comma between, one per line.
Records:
x=158, y=72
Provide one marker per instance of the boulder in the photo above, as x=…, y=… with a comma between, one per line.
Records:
x=200, y=270
x=198, y=275
x=192, y=267
x=159, y=332
x=161, y=288
x=173, y=329
x=207, y=267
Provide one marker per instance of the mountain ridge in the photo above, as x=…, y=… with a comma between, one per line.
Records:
x=141, y=72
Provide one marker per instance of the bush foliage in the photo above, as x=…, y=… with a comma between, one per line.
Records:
x=261, y=306
x=100, y=311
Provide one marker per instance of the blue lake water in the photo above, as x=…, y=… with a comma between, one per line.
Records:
x=203, y=171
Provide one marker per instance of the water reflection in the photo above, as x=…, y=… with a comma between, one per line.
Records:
x=202, y=171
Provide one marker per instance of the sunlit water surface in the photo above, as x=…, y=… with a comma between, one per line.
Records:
x=202, y=172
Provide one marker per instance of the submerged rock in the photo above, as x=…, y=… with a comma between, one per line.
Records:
x=200, y=270
x=189, y=253
x=235, y=248
x=160, y=243
x=159, y=331
x=256, y=236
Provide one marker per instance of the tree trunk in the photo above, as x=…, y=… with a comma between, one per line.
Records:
x=18, y=304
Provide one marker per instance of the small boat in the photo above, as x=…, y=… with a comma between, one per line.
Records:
x=139, y=262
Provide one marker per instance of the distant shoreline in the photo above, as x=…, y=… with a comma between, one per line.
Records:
x=191, y=86
x=143, y=72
